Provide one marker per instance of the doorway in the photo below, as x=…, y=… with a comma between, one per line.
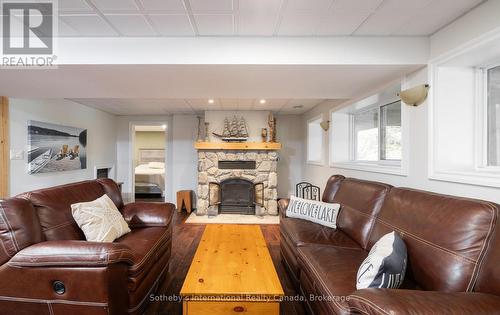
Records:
x=149, y=147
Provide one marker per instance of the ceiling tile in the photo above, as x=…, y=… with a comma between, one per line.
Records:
x=131, y=25
x=202, y=104
x=390, y=16
x=356, y=5
x=89, y=25
x=435, y=16
x=309, y=5
x=116, y=5
x=267, y=7
x=342, y=22
x=73, y=5
x=298, y=24
x=65, y=30
x=256, y=24
x=171, y=5
x=172, y=25
x=212, y=5
x=228, y=101
x=212, y=24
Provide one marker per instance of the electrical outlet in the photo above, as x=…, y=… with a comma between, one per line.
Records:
x=16, y=154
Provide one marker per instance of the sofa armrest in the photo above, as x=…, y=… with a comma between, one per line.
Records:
x=390, y=301
x=282, y=205
x=148, y=214
x=72, y=254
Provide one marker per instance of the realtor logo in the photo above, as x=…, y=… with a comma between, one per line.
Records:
x=28, y=30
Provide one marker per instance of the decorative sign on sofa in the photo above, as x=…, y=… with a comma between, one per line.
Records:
x=323, y=213
x=55, y=148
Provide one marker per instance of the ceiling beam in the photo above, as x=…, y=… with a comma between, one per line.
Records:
x=245, y=50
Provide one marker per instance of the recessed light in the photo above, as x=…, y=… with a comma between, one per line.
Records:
x=164, y=127
x=262, y=101
x=211, y=101
x=298, y=106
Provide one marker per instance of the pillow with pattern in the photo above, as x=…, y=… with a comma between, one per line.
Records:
x=385, y=265
x=100, y=220
x=323, y=213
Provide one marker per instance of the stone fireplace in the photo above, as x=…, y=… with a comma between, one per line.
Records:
x=237, y=181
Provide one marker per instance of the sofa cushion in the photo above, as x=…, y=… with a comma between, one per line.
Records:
x=446, y=237
x=361, y=202
x=148, y=246
x=331, y=187
x=19, y=227
x=329, y=272
x=53, y=206
x=300, y=232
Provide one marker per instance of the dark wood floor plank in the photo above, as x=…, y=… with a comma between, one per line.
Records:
x=185, y=241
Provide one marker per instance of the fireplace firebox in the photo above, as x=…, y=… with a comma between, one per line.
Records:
x=236, y=195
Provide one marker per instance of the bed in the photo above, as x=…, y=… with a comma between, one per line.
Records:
x=150, y=173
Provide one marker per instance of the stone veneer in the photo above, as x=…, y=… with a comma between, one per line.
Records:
x=265, y=172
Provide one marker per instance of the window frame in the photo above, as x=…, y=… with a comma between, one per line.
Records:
x=353, y=139
x=482, y=118
x=321, y=161
x=341, y=136
x=476, y=56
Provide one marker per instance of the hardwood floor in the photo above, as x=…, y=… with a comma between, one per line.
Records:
x=185, y=241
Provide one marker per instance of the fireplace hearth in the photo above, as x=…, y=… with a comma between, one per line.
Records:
x=237, y=182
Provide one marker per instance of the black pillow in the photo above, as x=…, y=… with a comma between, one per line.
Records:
x=385, y=265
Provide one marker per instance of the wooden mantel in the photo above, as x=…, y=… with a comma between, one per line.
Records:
x=237, y=145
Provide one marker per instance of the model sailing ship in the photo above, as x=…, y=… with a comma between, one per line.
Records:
x=234, y=131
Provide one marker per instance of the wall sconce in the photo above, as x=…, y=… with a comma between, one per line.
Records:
x=325, y=125
x=415, y=96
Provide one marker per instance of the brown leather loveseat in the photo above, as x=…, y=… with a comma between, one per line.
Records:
x=453, y=251
x=47, y=266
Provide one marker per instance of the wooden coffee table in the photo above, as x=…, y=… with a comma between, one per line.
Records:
x=231, y=273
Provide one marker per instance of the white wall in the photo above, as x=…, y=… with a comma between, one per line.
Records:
x=418, y=157
x=256, y=120
x=291, y=137
x=184, y=167
x=101, y=139
x=181, y=158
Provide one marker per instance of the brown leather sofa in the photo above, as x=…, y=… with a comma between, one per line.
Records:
x=47, y=266
x=453, y=251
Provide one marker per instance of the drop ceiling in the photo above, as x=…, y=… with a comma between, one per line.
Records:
x=119, y=106
x=93, y=18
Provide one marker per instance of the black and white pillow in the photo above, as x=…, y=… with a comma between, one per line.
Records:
x=323, y=213
x=385, y=265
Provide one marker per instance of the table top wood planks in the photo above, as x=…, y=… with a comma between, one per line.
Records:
x=232, y=272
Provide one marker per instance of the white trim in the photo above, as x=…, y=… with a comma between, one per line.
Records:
x=372, y=167
x=131, y=152
x=480, y=173
x=320, y=162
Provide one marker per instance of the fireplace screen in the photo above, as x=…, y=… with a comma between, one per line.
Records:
x=236, y=195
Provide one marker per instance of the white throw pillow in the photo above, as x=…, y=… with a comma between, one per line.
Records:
x=323, y=213
x=385, y=266
x=156, y=165
x=100, y=220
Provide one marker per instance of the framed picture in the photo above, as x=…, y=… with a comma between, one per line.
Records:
x=55, y=148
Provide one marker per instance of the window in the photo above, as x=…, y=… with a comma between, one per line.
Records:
x=377, y=133
x=315, y=141
x=493, y=89
x=390, y=120
x=366, y=135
